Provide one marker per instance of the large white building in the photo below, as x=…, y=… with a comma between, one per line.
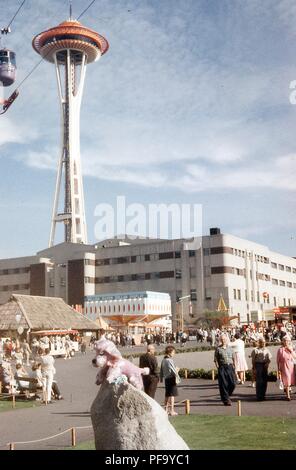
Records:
x=133, y=310
x=250, y=277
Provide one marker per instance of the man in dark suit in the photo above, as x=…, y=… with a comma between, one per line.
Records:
x=150, y=381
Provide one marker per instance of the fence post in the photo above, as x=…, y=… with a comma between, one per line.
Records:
x=213, y=375
x=13, y=400
x=187, y=407
x=239, y=408
x=73, y=437
x=11, y=446
x=185, y=373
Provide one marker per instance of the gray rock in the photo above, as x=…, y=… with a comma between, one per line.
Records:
x=125, y=418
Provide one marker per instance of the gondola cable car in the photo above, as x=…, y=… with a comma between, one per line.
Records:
x=8, y=65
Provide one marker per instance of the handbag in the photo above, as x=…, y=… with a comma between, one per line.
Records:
x=281, y=385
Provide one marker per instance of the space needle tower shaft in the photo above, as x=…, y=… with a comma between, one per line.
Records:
x=70, y=46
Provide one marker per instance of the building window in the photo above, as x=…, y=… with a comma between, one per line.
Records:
x=288, y=269
x=239, y=294
x=294, y=270
x=51, y=283
x=178, y=295
x=246, y=295
x=284, y=302
x=122, y=260
x=193, y=295
x=252, y=296
x=167, y=255
x=166, y=274
x=154, y=275
x=281, y=267
x=147, y=276
x=282, y=283
x=147, y=257
x=289, y=284
x=234, y=294
x=258, y=296
x=177, y=254
x=273, y=265
x=206, y=251
x=275, y=282
x=133, y=259
x=63, y=282
x=178, y=274
x=191, y=253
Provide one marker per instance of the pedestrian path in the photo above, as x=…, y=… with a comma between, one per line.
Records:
x=76, y=378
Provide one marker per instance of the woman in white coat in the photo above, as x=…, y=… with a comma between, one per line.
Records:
x=240, y=362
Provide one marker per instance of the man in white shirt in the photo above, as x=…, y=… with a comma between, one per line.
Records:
x=48, y=371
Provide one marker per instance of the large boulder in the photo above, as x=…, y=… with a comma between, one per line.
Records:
x=125, y=418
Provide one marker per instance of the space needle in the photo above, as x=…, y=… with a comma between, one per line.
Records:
x=70, y=46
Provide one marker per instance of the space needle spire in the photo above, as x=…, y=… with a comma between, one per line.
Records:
x=70, y=46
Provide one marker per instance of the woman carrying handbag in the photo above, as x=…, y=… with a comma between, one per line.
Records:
x=170, y=373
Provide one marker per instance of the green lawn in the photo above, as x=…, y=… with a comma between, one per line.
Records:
x=6, y=405
x=232, y=433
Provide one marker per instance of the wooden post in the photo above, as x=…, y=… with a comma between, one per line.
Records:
x=13, y=400
x=11, y=446
x=239, y=408
x=213, y=375
x=185, y=373
x=187, y=407
x=73, y=437
x=0, y=387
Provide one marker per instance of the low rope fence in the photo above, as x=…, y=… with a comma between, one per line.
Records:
x=72, y=431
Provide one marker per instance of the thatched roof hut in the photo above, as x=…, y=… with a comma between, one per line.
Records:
x=41, y=313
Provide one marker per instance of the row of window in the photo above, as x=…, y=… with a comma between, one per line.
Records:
x=233, y=251
x=141, y=258
x=14, y=287
x=5, y=272
x=137, y=277
x=237, y=271
x=237, y=295
x=127, y=308
x=277, y=282
x=281, y=267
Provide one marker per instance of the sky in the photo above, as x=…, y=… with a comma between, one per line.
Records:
x=190, y=105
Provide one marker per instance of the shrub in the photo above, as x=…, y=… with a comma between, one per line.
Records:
x=207, y=374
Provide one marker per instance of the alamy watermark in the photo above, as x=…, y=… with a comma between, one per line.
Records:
x=132, y=221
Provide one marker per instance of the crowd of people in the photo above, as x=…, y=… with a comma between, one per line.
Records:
x=20, y=362
x=28, y=368
x=249, y=333
x=231, y=363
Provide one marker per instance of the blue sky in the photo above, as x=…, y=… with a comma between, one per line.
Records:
x=189, y=105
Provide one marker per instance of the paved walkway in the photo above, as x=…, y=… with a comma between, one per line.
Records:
x=76, y=378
